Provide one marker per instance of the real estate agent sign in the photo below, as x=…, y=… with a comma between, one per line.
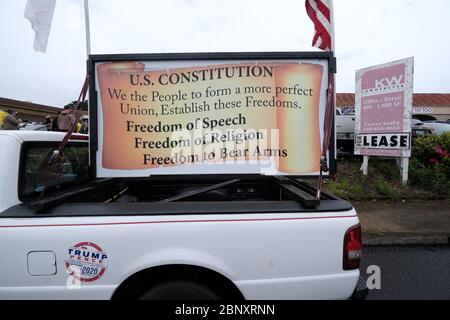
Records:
x=384, y=109
x=210, y=117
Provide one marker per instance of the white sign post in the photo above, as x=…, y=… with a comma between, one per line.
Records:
x=384, y=99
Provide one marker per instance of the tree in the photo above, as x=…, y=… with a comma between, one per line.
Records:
x=83, y=105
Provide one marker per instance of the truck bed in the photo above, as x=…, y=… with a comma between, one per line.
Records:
x=162, y=196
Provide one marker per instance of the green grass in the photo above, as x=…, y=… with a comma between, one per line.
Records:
x=382, y=183
x=387, y=189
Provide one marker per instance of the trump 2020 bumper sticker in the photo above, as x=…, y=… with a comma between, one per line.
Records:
x=86, y=261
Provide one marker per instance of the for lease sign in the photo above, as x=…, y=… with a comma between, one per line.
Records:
x=386, y=141
x=250, y=116
x=384, y=96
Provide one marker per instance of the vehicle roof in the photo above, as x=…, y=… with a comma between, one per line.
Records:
x=438, y=124
x=24, y=135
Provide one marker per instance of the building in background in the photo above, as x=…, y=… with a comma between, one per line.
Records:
x=434, y=105
x=426, y=106
x=28, y=111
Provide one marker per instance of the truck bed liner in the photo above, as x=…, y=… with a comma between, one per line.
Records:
x=176, y=208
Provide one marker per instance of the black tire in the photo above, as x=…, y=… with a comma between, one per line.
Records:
x=179, y=290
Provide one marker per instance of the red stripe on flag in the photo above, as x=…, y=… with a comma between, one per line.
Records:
x=323, y=8
x=316, y=38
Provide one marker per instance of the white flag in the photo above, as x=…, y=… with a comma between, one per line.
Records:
x=40, y=14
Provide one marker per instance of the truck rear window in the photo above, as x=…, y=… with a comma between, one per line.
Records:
x=35, y=173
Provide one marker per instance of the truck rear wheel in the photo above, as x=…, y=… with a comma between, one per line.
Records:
x=179, y=290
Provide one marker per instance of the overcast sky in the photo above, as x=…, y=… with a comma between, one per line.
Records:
x=368, y=32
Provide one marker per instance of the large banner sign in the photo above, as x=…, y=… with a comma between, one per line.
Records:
x=384, y=98
x=160, y=117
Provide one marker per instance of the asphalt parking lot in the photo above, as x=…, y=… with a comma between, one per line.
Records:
x=416, y=272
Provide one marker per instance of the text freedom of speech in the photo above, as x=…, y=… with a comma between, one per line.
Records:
x=199, y=123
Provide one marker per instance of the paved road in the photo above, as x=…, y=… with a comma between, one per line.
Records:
x=409, y=272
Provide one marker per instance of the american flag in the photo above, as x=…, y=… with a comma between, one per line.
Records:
x=320, y=13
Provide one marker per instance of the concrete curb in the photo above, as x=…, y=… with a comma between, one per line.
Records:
x=406, y=240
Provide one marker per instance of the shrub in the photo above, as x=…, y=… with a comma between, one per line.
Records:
x=386, y=189
x=430, y=163
x=386, y=168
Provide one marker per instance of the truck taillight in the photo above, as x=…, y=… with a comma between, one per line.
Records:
x=352, y=248
x=79, y=137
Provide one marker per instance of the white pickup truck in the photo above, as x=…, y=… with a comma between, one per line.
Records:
x=197, y=237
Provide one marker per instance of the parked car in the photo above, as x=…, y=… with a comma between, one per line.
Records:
x=417, y=123
x=439, y=127
x=420, y=129
x=418, y=132
x=345, y=130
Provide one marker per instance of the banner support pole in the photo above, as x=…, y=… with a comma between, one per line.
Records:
x=333, y=49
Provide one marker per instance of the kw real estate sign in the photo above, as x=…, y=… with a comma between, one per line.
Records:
x=384, y=96
x=194, y=116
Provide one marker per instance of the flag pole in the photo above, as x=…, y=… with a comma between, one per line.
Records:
x=333, y=46
x=87, y=28
x=333, y=49
x=88, y=53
